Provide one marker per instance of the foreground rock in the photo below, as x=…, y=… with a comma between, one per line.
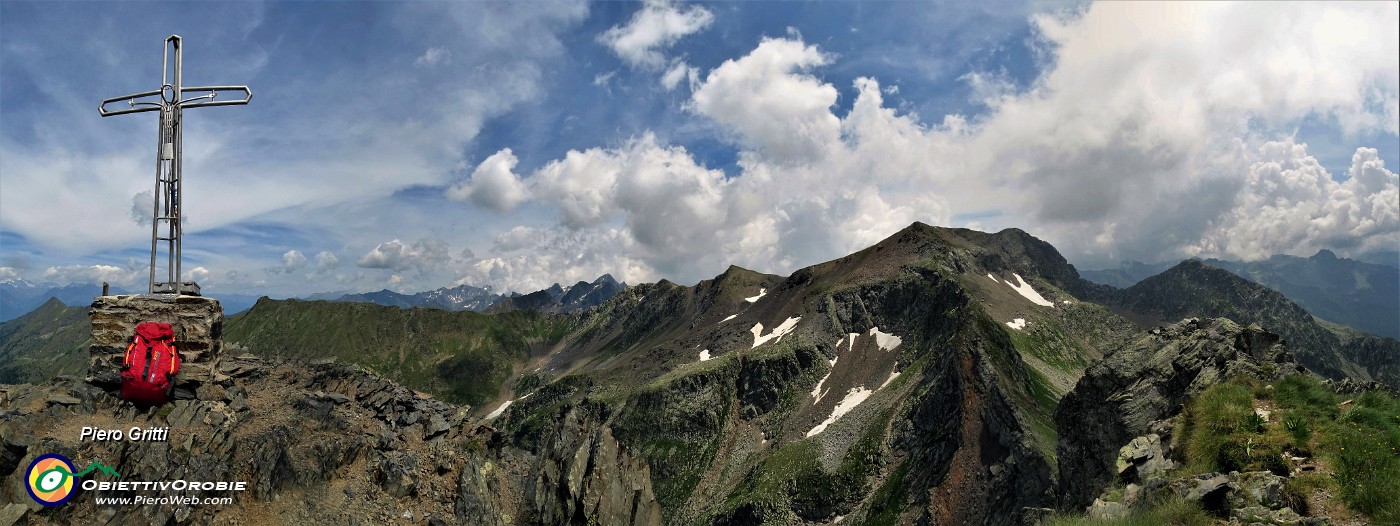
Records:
x=316, y=444
x=1132, y=392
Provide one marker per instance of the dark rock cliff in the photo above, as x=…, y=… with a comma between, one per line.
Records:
x=1122, y=396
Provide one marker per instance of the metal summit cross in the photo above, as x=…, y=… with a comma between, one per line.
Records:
x=169, y=102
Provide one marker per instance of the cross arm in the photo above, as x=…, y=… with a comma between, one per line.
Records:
x=213, y=92
x=131, y=100
x=135, y=105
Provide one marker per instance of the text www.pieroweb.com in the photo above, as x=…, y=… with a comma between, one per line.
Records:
x=178, y=500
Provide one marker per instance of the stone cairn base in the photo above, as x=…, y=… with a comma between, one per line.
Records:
x=198, y=323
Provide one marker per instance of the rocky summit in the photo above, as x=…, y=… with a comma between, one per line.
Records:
x=941, y=376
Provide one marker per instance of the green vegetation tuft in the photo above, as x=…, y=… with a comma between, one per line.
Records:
x=1308, y=396
x=1359, y=439
x=1224, y=434
x=1176, y=512
x=1365, y=451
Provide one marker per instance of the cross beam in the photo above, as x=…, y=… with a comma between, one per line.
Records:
x=170, y=100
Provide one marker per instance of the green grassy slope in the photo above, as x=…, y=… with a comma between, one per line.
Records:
x=49, y=341
x=463, y=357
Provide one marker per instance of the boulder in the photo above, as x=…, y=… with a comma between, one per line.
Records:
x=1143, y=459
x=1261, y=516
x=1258, y=488
x=1105, y=510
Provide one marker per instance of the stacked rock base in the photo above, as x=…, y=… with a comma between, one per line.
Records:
x=198, y=323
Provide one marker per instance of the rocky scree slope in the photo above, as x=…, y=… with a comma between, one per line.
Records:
x=319, y=444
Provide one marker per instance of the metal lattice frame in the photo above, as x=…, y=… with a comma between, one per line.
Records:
x=170, y=102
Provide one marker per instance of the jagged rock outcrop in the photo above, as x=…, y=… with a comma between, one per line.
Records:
x=1122, y=396
x=585, y=476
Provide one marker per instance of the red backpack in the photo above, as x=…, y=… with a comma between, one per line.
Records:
x=148, y=372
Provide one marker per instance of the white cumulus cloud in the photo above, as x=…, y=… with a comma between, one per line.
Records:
x=767, y=100
x=424, y=255
x=1138, y=137
x=658, y=25
x=293, y=260
x=125, y=277
x=1290, y=204
x=326, y=260
x=1148, y=144
x=493, y=184
x=680, y=71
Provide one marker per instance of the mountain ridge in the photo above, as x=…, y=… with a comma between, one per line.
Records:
x=1363, y=295
x=554, y=298
x=1194, y=288
x=49, y=340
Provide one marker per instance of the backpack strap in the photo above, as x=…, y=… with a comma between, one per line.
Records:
x=174, y=359
x=126, y=360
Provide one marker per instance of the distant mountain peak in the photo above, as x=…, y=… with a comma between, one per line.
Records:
x=1324, y=255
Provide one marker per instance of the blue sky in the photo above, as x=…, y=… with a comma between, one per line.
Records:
x=416, y=145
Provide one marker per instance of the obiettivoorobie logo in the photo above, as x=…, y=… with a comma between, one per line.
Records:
x=50, y=478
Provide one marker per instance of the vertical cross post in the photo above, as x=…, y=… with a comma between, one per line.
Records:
x=169, y=101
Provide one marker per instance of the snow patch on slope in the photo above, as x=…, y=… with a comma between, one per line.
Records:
x=499, y=410
x=893, y=375
x=731, y=316
x=1018, y=323
x=704, y=355
x=885, y=341
x=761, y=293
x=778, y=332
x=817, y=392
x=1029, y=293
x=853, y=398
